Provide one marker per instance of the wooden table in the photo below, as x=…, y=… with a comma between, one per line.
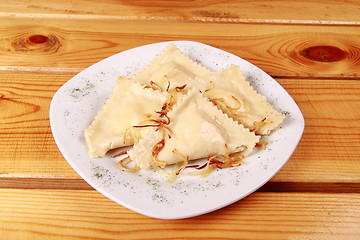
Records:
x=312, y=48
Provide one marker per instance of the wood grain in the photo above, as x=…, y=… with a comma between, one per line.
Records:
x=312, y=48
x=330, y=145
x=328, y=152
x=283, y=51
x=233, y=11
x=26, y=140
x=44, y=214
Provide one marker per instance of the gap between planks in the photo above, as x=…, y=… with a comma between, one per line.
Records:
x=80, y=184
x=74, y=71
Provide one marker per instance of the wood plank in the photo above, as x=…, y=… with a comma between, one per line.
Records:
x=27, y=143
x=330, y=142
x=44, y=214
x=37, y=45
x=279, y=12
x=328, y=152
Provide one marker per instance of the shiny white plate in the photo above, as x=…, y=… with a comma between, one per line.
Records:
x=76, y=103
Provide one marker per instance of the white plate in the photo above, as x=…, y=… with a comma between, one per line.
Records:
x=76, y=103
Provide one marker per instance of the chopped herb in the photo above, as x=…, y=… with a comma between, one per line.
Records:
x=98, y=175
x=286, y=113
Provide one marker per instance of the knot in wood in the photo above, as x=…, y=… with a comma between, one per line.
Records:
x=38, y=39
x=36, y=43
x=324, y=53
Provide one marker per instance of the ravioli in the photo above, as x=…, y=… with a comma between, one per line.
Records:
x=129, y=104
x=170, y=66
x=227, y=89
x=197, y=129
x=230, y=91
x=176, y=110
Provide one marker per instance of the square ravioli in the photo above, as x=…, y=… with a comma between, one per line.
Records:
x=170, y=69
x=227, y=89
x=196, y=129
x=129, y=104
x=233, y=94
